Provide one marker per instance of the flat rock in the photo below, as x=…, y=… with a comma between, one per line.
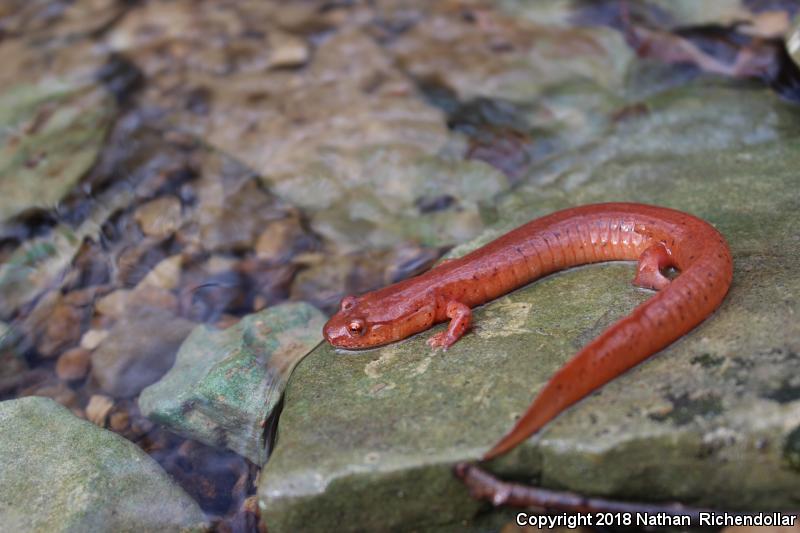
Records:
x=287, y=51
x=61, y=473
x=537, y=53
x=138, y=351
x=384, y=197
x=370, y=437
x=226, y=383
x=64, y=127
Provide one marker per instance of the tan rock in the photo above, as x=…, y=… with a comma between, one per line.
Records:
x=220, y=263
x=165, y=275
x=92, y=338
x=126, y=301
x=287, y=51
x=119, y=421
x=98, y=408
x=55, y=324
x=160, y=217
x=73, y=364
x=298, y=17
x=113, y=304
x=250, y=506
x=275, y=241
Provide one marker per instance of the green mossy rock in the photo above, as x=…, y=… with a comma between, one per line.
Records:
x=62, y=473
x=370, y=438
x=226, y=383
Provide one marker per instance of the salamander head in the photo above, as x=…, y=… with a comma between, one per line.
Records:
x=360, y=323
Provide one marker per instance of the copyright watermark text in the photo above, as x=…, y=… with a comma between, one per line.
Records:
x=709, y=519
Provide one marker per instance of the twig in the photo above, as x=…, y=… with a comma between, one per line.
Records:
x=485, y=486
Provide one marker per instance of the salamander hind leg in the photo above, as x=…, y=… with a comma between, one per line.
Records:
x=460, y=317
x=652, y=262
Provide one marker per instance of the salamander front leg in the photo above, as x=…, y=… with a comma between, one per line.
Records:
x=652, y=262
x=460, y=319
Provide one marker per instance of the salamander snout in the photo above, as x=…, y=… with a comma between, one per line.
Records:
x=346, y=329
x=343, y=331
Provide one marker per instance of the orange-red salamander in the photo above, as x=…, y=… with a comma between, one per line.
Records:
x=658, y=237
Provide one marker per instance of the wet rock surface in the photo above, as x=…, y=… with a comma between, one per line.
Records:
x=705, y=421
x=61, y=473
x=226, y=383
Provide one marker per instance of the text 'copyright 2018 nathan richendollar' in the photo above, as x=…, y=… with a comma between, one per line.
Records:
x=702, y=519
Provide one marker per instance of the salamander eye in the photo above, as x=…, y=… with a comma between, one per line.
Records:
x=356, y=327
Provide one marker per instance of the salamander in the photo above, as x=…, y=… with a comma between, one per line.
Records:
x=658, y=238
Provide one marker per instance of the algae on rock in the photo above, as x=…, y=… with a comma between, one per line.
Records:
x=226, y=383
x=62, y=473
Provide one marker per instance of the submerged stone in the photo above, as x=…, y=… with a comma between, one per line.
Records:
x=51, y=135
x=62, y=473
x=226, y=383
x=12, y=362
x=370, y=437
x=385, y=198
x=138, y=351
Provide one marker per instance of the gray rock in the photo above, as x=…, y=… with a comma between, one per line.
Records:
x=138, y=351
x=12, y=362
x=61, y=473
x=225, y=383
x=709, y=421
